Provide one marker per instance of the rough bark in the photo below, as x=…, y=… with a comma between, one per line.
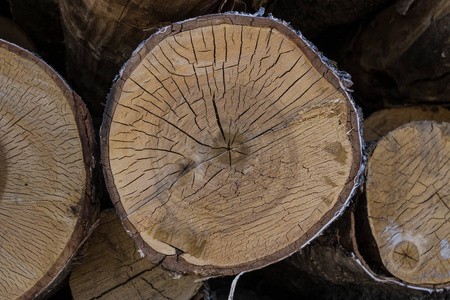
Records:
x=403, y=56
x=114, y=268
x=101, y=35
x=352, y=260
x=227, y=144
x=327, y=270
x=382, y=122
x=45, y=174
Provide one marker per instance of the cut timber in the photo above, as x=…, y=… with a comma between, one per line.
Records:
x=45, y=177
x=402, y=55
x=408, y=202
x=101, y=35
x=382, y=122
x=113, y=268
x=227, y=144
x=326, y=270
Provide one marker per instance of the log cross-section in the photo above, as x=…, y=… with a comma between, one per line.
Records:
x=228, y=143
x=113, y=268
x=408, y=202
x=46, y=162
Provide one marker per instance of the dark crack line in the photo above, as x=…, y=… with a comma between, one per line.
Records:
x=125, y=282
x=153, y=287
x=218, y=118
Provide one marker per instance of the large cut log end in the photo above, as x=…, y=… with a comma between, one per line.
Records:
x=228, y=144
x=45, y=174
x=408, y=202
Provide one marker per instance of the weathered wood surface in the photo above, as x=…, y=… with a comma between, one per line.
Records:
x=45, y=174
x=408, y=202
x=112, y=267
x=332, y=266
x=227, y=144
x=101, y=35
x=383, y=121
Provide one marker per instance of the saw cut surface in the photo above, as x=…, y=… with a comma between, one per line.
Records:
x=113, y=268
x=228, y=144
x=408, y=199
x=42, y=173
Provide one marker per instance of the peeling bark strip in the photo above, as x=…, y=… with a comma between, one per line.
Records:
x=228, y=144
x=45, y=177
x=408, y=202
x=113, y=268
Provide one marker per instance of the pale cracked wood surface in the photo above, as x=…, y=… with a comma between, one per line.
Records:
x=43, y=176
x=408, y=201
x=113, y=268
x=227, y=144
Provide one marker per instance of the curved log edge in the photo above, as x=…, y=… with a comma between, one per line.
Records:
x=407, y=202
x=382, y=276
x=361, y=245
x=339, y=80
x=113, y=268
x=84, y=209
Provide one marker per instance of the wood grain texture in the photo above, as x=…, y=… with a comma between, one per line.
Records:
x=101, y=35
x=113, y=268
x=227, y=144
x=408, y=200
x=45, y=161
x=384, y=121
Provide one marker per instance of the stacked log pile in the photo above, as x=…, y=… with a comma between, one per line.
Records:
x=228, y=144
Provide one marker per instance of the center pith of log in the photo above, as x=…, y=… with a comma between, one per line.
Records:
x=408, y=202
x=228, y=144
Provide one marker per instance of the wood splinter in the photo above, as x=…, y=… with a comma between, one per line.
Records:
x=228, y=144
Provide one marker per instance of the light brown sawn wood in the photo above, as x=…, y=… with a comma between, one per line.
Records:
x=114, y=268
x=45, y=174
x=383, y=121
x=408, y=202
x=227, y=144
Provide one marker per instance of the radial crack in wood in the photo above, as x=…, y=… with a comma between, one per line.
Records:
x=408, y=202
x=45, y=174
x=228, y=144
x=113, y=268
